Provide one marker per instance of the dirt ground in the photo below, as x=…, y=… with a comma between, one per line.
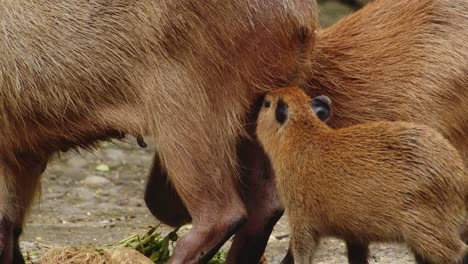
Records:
x=81, y=205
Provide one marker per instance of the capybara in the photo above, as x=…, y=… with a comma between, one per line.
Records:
x=391, y=60
x=182, y=72
x=375, y=181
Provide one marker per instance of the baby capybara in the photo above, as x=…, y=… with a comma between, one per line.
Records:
x=377, y=181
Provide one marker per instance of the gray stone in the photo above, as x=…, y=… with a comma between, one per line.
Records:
x=96, y=181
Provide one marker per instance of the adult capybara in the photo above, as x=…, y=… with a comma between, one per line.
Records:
x=182, y=72
x=391, y=60
x=376, y=181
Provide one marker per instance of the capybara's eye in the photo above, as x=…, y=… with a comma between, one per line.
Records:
x=266, y=104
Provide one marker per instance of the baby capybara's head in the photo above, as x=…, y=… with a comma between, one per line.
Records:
x=289, y=108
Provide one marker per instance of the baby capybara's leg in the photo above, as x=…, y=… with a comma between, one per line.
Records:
x=263, y=205
x=289, y=258
x=303, y=244
x=434, y=246
x=162, y=199
x=19, y=178
x=357, y=252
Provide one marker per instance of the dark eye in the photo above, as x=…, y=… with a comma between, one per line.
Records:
x=266, y=104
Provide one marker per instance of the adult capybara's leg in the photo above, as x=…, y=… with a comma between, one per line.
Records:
x=357, y=252
x=196, y=141
x=18, y=183
x=263, y=205
x=216, y=213
x=162, y=199
x=6, y=241
x=9, y=243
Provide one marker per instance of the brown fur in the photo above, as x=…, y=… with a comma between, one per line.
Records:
x=398, y=60
x=376, y=181
x=392, y=60
x=182, y=72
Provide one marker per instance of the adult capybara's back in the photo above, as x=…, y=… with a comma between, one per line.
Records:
x=398, y=60
x=183, y=72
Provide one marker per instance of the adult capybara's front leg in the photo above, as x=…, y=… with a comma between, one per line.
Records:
x=213, y=202
x=162, y=199
x=19, y=178
x=263, y=205
x=258, y=192
x=196, y=142
x=6, y=241
x=9, y=243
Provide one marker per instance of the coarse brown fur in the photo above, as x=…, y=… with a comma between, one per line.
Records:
x=398, y=60
x=376, y=181
x=391, y=60
x=182, y=72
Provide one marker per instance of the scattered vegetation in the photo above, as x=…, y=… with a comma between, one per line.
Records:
x=151, y=244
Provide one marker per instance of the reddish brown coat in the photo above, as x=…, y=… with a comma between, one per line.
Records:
x=376, y=181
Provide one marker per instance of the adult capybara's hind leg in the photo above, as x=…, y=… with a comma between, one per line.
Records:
x=217, y=214
x=289, y=258
x=162, y=199
x=19, y=178
x=436, y=246
x=263, y=205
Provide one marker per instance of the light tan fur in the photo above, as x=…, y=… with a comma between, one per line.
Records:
x=182, y=72
x=376, y=181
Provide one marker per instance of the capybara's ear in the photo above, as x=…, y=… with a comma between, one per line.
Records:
x=321, y=105
x=281, y=111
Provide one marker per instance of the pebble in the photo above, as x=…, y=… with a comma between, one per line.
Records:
x=83, y=193
x=77, y=161
x=96, y=181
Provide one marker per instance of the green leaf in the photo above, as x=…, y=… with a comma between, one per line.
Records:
x=102, y=168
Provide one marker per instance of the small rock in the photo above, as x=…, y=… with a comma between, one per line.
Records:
x=116, y=154
x=83, y=193
x=77, y=161
x=96, y=181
